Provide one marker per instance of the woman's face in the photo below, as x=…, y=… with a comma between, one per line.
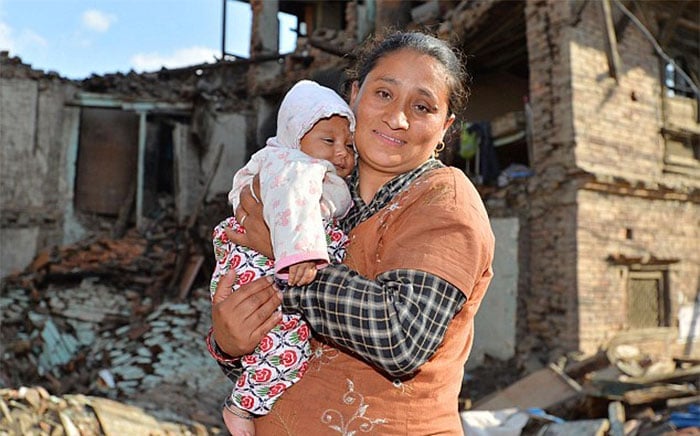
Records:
x=401, y=109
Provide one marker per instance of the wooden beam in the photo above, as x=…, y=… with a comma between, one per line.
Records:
x=683, y=22
x=670, y=25
x=610, y=42
x=658, y=393
x=505, y=27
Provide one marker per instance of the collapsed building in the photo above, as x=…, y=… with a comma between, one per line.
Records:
x=582, y=135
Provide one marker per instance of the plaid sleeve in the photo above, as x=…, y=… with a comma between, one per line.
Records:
x=395, y=322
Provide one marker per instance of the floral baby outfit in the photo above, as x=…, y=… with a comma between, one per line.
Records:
x=303, y=198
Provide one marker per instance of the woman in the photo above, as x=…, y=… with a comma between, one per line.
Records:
x=394, y=323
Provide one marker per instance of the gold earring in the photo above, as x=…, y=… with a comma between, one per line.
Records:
x=438, y=149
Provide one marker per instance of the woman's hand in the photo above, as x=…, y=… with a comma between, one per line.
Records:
x=249, y=214
x=241, y=319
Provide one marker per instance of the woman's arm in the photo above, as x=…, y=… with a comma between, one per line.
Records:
x=437, y=247
x=395, y=322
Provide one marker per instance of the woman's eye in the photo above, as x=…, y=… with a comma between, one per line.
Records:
x=383, y=94
x=422, y=108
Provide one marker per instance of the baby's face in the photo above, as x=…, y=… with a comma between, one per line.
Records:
x=330, y=139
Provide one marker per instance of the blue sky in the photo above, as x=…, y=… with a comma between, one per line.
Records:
x=77, y=38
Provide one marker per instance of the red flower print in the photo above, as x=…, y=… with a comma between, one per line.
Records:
x=303, y=332
x=289, y=358
x=336, y=236
x=276, y=390
x=266, y=344
x=246, y=277
x=292, y=323
x=262, y=375
x=241, y=381
x=235, y=261
x=249, y=359
x=247, y=402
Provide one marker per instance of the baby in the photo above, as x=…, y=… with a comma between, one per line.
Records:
x=301, y=172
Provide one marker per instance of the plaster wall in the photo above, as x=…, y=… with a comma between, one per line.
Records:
x=494, y=324
x=229, y=130
x=33, y=186
x=20, y=153
x=186, y=165
x=17, y=248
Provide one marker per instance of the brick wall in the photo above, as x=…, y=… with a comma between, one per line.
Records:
x=617, y=124
x=588, y=127
x=635, y=227
x=547, y=320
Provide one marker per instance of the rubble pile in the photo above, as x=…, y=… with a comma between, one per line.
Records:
x=34, y=411
x=108, y=328
x=105, y=318
x=14, y=68
x=141, y=262
x=221, y=81
x=624, y=389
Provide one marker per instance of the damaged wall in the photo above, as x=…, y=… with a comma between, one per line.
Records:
x=33, y=162
x=618, y=138
x=601, y=188
x=548, y=319
x=42, y=132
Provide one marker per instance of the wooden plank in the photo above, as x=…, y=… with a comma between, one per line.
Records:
x=610, y=41
x=678, y=375
x=657, y=393
x=125, y=212
x=680, y=402
x=577, y=369
x=194, y=263
x=669, y=26
x=540, y=389
x=586, y=427
x=119, y=419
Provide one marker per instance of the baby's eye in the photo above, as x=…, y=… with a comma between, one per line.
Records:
x=350, y=146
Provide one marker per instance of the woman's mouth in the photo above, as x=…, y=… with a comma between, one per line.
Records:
x=389, y=138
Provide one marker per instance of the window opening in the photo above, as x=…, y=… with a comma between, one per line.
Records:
x=647, y=299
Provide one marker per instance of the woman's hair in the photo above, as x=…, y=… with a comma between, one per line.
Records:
x=373, y=49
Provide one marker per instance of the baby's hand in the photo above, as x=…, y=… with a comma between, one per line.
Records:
x=302, y=273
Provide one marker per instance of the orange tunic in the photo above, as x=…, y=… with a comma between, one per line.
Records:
x=439, y=225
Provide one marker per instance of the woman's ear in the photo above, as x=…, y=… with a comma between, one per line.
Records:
x=354, y=91
x=448, y=123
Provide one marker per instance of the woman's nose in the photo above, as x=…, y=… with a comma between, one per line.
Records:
x=396, y=118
